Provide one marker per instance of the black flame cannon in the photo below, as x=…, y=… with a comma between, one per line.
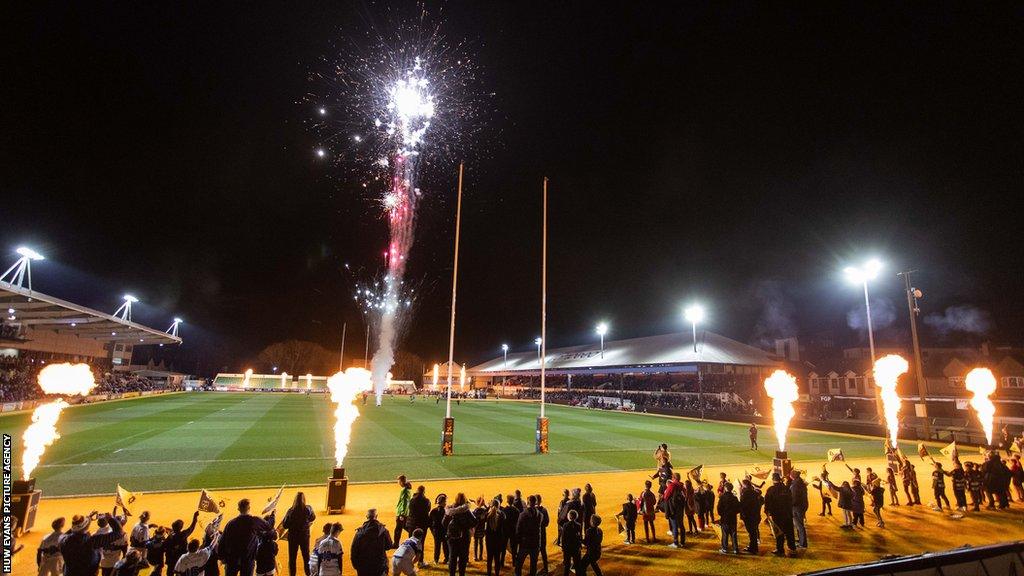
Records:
x=24, y=503
x=337, y=491
x=781, y=464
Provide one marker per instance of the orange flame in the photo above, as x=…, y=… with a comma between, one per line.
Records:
x=66, y=379
x=781, y=388
x=435, y=376
x=888, y=370
x=248, y=375
x=982, y=382
x=462, y=378
x=345, y=387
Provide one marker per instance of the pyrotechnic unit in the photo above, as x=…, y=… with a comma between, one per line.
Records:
x=782, y=389
x=344, y=388
x=982, y=383
x=62, y=379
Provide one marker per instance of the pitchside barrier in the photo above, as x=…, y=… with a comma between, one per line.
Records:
x=73, y=400
x=1003, y=559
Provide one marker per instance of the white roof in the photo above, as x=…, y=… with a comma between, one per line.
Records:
x=663, y=353
x=43, y=312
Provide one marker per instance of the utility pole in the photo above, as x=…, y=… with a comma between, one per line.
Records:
x=922, y=407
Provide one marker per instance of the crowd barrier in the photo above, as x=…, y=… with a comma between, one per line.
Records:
x=91, y=399
x=1004, y=558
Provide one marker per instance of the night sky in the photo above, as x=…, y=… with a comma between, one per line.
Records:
x=735, y=154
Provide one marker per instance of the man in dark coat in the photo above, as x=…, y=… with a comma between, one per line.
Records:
x=751, y=501
x=81, y=550
x=528, y=527
x=589, y=500
x=728, y=509
x=572, y=543
x=370, y=544
x=798, y=488
x=778, y=503
x=177, y=542
x=237, y=548
x=511, y=520
x=419, y=513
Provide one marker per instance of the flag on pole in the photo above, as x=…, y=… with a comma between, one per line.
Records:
x=215, y=525
x=922, y=451
x=836, y=455
x=124, y=499
x=950, y=451
x=272, y=502
x=696, y=472
x=209, y=503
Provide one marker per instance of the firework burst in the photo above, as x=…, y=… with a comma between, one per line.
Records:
x=390, y=106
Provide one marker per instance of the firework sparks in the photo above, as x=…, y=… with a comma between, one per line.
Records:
x=888, y=370
x=64, y=379
x=408, y=97
x=345, y=387
x=982, y=383
x=781, y=388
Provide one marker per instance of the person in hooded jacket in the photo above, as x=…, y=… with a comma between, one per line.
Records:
x=459, y=523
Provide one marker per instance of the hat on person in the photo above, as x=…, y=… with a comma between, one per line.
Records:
x=80, y=523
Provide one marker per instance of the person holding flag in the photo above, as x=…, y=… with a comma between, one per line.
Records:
x=939, y=486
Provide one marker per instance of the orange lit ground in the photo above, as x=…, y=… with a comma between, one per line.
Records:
x=908, y=530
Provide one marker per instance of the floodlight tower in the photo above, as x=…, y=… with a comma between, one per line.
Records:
x=124, y=312
x=694, y=314
x=173, y=330
x=602, y=329
x=861, y=275
x=21, y=270
x=504, y=351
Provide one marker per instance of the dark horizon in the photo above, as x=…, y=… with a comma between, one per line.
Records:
x=727, y=153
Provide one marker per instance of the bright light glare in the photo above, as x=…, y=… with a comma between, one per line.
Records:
x=504, y=347
x=320, y=152
x=177, y=321
x=130, y=298
x=537, y=341
x=602, y=329
x=694, y=314
x=29, y=253
x=861, y=275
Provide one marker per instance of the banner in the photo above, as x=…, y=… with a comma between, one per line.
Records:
x=922, y=451
x=950, y=451
x=210, y=503
x=759, y=473
x=695, y=473
x=124, y=499
x=272, y=502
x=836, y=455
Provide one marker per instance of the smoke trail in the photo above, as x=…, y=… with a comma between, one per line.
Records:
x=960, y=319
x=781, y=388
x=66, y=379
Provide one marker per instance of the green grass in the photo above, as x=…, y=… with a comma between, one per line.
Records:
x=216, y=440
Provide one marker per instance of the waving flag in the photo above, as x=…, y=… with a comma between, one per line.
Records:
x=210, y=503
x=124, y=499
x=272, y=502
x=836, y=455
x=951, y=451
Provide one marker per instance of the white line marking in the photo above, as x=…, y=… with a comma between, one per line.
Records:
x=118, y=450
